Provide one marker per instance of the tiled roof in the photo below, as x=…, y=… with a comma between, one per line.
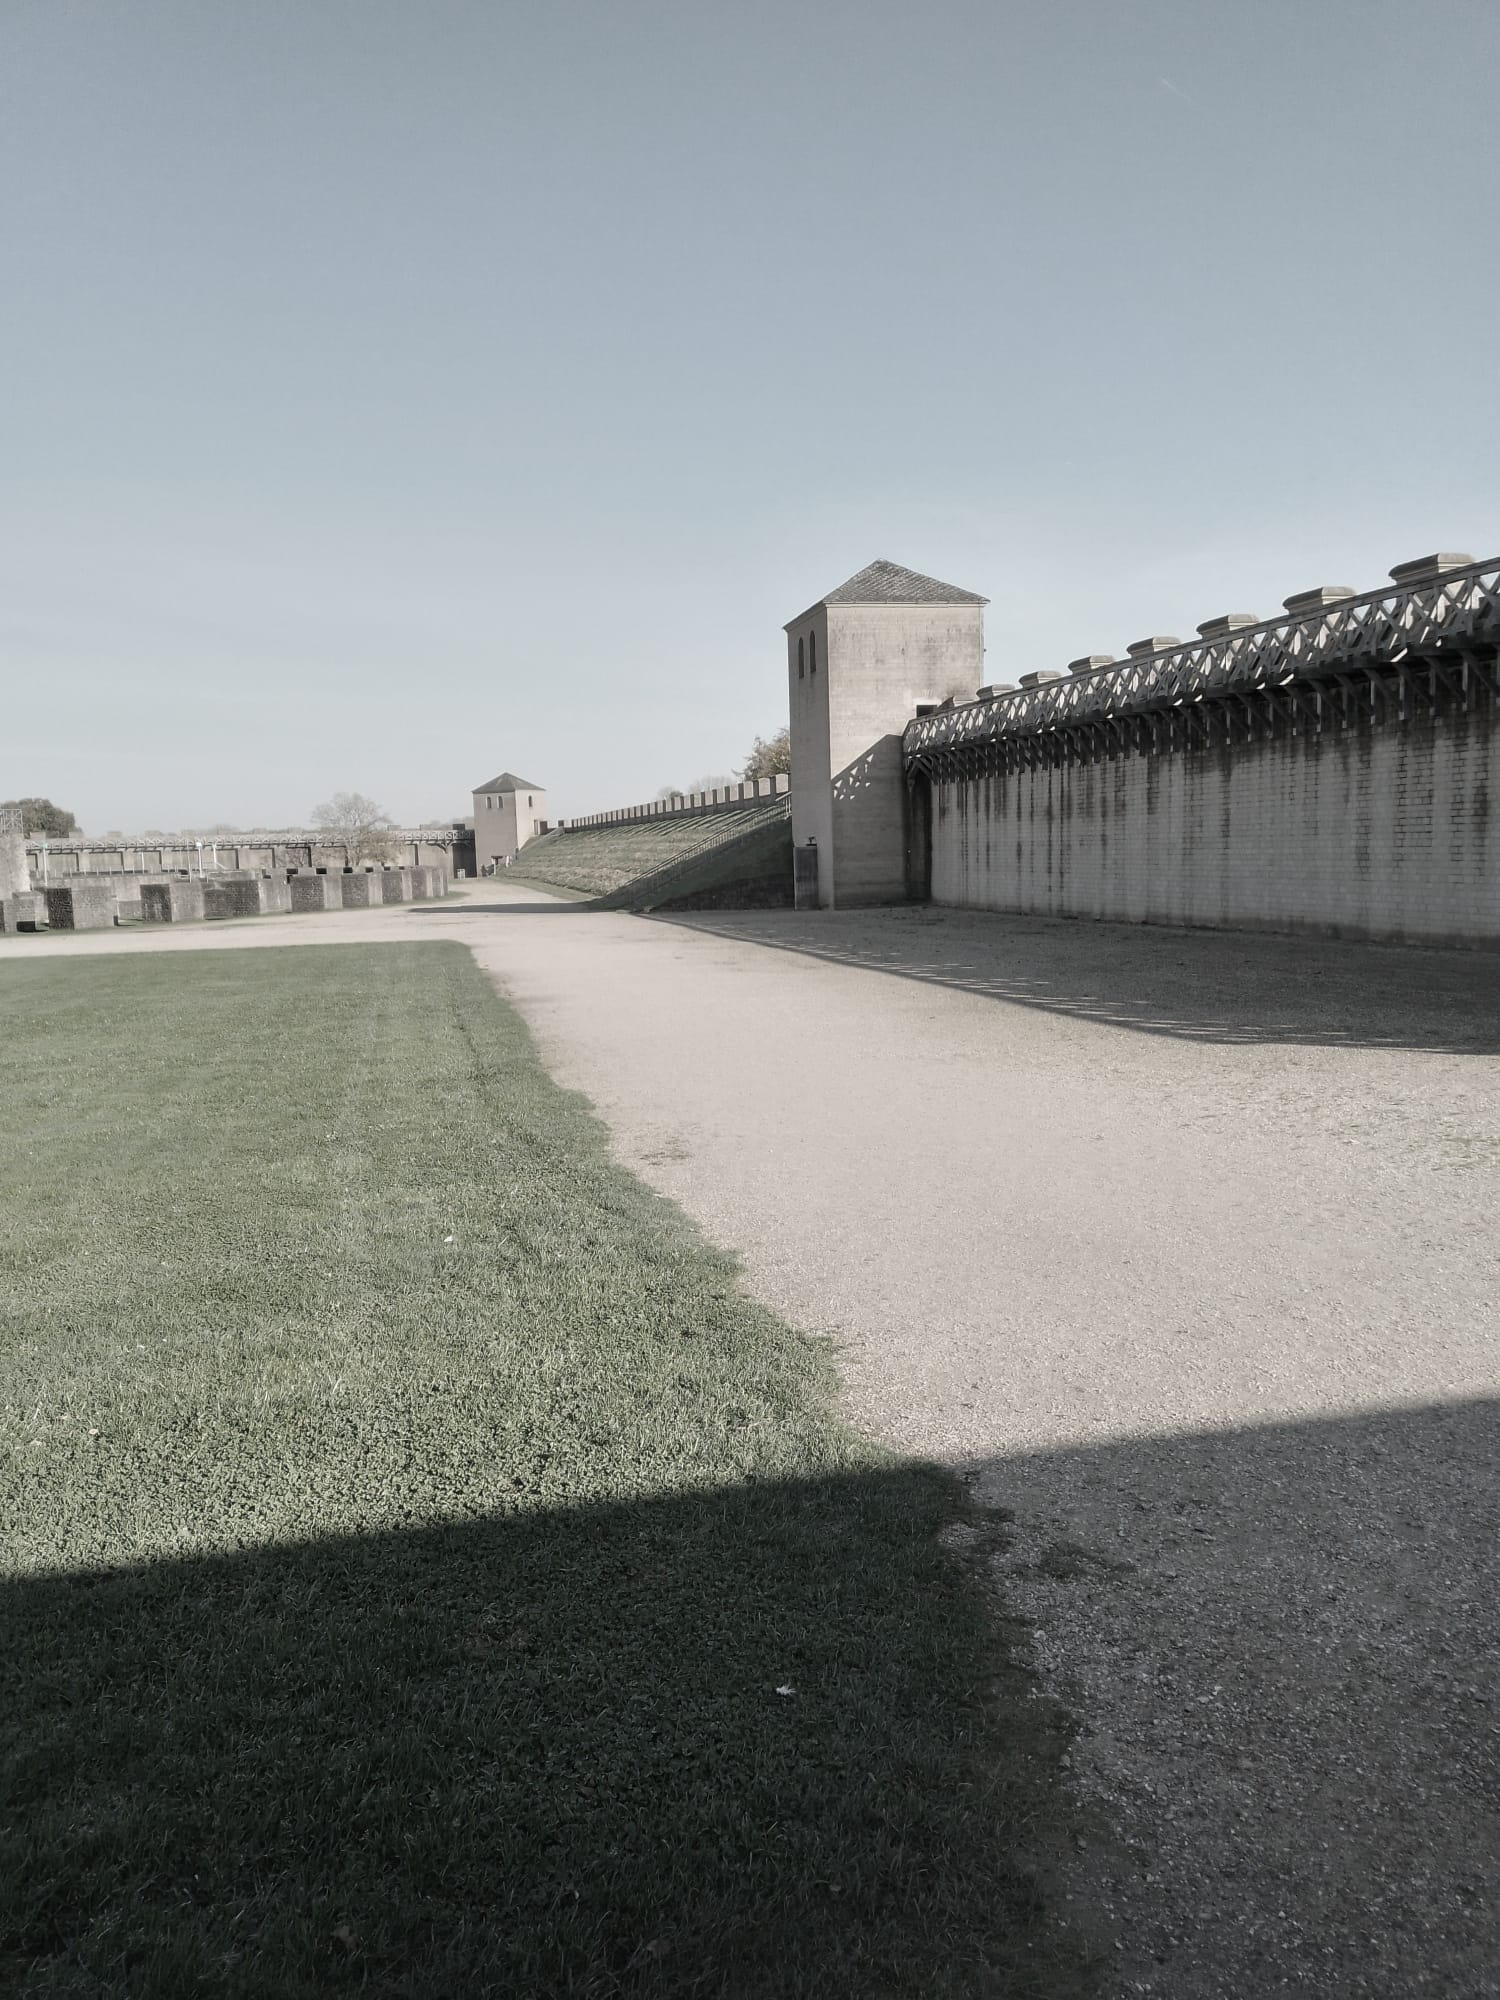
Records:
x=509, y=782
x=889, y=583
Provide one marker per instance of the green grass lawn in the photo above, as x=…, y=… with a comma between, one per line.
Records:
x=411, y=1530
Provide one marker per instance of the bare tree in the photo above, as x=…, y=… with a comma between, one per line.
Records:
x=363, y=827
x=770, y=756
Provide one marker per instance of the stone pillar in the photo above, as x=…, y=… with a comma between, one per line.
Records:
x=230, y=896
x=176, y=902
x=316, y=892
x=81, y=906
x=360, y=891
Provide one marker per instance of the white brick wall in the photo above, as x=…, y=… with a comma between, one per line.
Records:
x=1377, y=833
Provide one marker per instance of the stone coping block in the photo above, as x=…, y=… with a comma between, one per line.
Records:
x=26, y=910
x=1317, y=600
x=175, y=902
x=359, y=891
x=395, y=885
x=81, y=906
x=1227, y=622
x=316, y=892
x=1427, y=569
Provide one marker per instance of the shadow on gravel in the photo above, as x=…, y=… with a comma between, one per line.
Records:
x=1199, y=985
x=722, y=1744
x=468, y=909
x=1283, y=1645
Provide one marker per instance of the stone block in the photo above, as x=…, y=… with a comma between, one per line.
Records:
x=245, y=896
x=994, y=689
x=1229, y=621
x=1427, y=569
x=26, y=910
x=316, y=892
x=359, y=891
x=1319, y=599
x=81, y=906
x=177, y=902
x=1162, y=642
x=395, y=885
x=1044, y=678
x=1090, y=663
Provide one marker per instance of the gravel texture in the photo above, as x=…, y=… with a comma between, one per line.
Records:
x=1182, y=1247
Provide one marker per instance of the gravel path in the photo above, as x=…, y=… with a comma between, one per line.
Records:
x=1183, y=1248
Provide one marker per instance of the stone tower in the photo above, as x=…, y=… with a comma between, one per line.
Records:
x=508, y=811
x=861, y=662
x=15, y=875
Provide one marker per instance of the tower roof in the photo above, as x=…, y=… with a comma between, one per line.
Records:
x=888, y=583
x=509, y=782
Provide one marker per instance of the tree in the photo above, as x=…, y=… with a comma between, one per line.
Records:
x=770, y=756
x=41, y=817
x=361, y=825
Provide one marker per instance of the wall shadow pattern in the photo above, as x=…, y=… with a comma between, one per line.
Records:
x=1196, y=985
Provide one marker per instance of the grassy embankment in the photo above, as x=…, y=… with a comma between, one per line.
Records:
x=426, y=1572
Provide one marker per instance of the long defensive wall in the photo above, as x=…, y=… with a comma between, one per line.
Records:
x=1328, y=770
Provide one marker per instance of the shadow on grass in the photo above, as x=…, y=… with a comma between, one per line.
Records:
x=1194, y=985
x=719, y=1744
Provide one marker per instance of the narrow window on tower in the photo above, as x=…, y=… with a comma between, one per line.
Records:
x=812, y=652
x=801, y=662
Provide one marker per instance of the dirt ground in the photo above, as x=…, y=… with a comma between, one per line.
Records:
x=1182, y=1247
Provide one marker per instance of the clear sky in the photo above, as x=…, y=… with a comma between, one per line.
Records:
x=396, y=392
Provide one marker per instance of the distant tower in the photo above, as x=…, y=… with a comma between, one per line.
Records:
x=885, y=646
x=508, y=812
x=15, y=874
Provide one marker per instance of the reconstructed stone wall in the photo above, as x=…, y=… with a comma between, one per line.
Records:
x=1380, y=830
x=725, y=798
x=269, y=851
